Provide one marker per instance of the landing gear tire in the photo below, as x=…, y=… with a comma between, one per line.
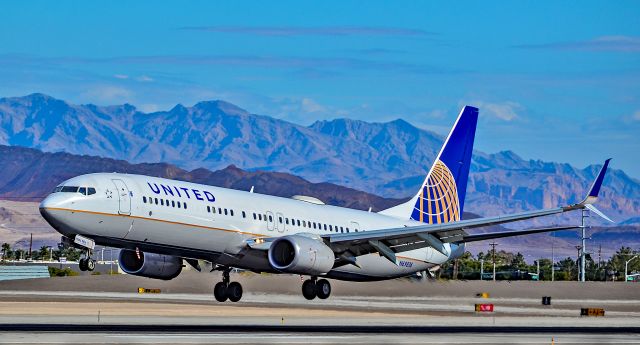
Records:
x=323, y=289
x=234, y=292
x=309, y=290
x=83, y=264
x=90, y=265
x=220, y=292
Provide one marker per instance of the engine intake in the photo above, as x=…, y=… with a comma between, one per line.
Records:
x=150, y=265
x=301, y=255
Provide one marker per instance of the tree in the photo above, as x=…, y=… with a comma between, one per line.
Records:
x=518, y=262
x=6, y=251
x=43, y=253
x=568, y=270
x=617, y=262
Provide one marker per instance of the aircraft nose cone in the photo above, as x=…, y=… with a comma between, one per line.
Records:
x=45, y=206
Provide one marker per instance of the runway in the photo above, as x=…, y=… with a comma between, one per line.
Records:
x=260, y=334
x=106, y=310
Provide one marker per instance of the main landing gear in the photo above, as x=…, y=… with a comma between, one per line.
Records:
x=312, y=288
x=86, y=263
x=227, y=290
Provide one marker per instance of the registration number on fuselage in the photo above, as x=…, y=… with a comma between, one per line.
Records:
x=405, y=263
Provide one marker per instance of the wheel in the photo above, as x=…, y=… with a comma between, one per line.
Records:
x=309, y=289
x=234, y=291
x=323, y=289
x=82, y=264
x=220, y=292
x=91, y=264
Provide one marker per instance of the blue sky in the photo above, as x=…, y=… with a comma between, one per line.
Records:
x=554, y=80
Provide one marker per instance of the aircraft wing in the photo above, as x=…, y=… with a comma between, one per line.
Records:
x=387, y=242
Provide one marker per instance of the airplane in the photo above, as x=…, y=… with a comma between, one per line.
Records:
x=160, y=223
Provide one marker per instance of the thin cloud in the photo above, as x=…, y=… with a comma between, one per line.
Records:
x=602, y=43
x=144, y=78
x=287, y=31
x=504, y=111
x=282, y=62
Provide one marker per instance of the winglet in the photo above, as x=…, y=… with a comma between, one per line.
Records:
x=595, y=187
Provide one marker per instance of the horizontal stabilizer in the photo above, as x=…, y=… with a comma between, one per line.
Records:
x=598, y=212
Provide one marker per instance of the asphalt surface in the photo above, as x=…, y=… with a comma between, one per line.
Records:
x=108, y=310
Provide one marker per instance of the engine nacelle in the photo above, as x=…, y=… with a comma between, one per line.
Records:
x=301, y=255
x=150, y=265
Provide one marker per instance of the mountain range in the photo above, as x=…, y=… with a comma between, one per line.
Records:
x=388, y=159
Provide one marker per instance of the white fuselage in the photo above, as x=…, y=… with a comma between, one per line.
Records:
x=204, y=222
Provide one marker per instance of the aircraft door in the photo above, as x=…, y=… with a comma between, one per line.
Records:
x=124, y=197
x=271, y=222
x=280, y=225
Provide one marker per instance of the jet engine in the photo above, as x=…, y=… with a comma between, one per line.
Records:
x=150, y=265
x=300, y=254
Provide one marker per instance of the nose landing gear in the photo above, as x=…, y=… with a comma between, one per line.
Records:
x=86, y=263
x=227, y=290
x=312, y=288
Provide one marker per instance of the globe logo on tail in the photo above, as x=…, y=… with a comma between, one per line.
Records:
x=438, y=200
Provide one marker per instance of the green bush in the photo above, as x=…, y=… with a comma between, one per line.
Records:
x=65, y=272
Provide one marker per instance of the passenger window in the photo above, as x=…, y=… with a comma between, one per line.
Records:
x=254, y=216
x=213, y=210
x=260, y=216
x=298, y=222
x=244, y=215
x=347, y=229
x=208, y=209
x=91, y=191
x=304, y=224
x=173, y=203
x=144, y=199
x=231, y=211
x=225, y=211
x=168, y=203
x=156, y=201
x=286, y=220
x=325, y=227
x=341, y=229
x=179, y=204
x=280, y=220
x=270, y=219
x=161, y=202
x=185, y=205
x=220, y=210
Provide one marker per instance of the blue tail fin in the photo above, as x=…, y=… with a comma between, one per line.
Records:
x=441, y=198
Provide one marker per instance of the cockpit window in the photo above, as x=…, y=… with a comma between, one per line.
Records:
x=75, y=189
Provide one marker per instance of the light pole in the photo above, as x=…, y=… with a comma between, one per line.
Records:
x=578, y=266
x=493, y=245
x=481, y=268
x=626, y=265
x=553, y=259
x=585, y=215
